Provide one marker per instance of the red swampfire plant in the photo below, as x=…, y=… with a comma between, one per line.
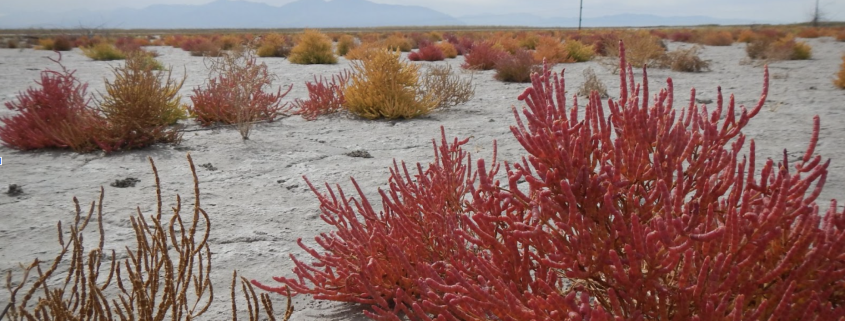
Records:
x=428, y=52
x=325, y=96
x=54, y=115
x=634, y=212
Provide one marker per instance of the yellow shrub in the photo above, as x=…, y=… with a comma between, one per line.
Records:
x=640, y=47
x=364, y=50
x=435, y=36
x=448, y=49
x=398, y=42
x=314, y=47
x=275, y=45
x=382, y=86
x=840, y=80
x=45, y=43
x=578, y=51
x=801, y=51
x=344, y=44
x=716, y=38
x=530, y=41
x=228, y=42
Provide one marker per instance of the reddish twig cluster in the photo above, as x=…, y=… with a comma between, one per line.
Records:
x=54, y=115
x=325, y=96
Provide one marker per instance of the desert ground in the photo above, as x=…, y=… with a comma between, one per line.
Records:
x=258, y=202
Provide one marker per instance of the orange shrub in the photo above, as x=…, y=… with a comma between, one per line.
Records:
x=552, y=50
x=811, y=32
x=716, y=38
x=746, y=36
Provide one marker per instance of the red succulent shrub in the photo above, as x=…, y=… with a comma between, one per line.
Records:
x=635, y=211
x=56, y=114
x=238, y=94
x=429, y=52
x=516, y=67
x=325, y=96
x=483, y=56
x=681, y=36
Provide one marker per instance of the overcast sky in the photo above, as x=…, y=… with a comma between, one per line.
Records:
x=762, y=10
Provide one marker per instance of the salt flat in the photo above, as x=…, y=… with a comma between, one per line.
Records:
x=259, y=204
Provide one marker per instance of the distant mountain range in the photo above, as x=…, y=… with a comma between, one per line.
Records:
x=316, y=14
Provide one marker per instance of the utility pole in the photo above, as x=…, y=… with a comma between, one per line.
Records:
x=581, y=11
x=816, y=17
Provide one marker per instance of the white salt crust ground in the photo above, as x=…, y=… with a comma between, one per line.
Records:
x=257, y=200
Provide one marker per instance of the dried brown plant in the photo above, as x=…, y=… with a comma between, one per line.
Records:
x=166, y=275
x=591, y=84
x=445, y=85
x=642, y=48
x=684, y=59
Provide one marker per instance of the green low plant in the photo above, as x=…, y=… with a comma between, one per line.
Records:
x=104, y=52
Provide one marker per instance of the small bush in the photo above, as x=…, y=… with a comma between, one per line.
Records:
x=840, y=80
x=716, y=38
x=427, y=53
x=801, y=51
x=325, y=96
x=811, y=32
x=578, y=51
x=275, y=45
x=529, y=41
x=552, y=51
x=314, y=47
x=382, y=86
x=130, y=44
x=746, y=36
x=592, y=84
x=104, y=52
x=237, y=95
x=641, y=47
x=447, y=87
x=229, y=42
x=140, y=104
x=201, y=47
x=59, y=43
x=448, y=49
x=12, y=43
x=483, y=56
x=517, y=67
x=45, y=44
x=364, y=51
x=344, y=44
x=681, y=36
x=55, y=114
x=686, y=60
x=785, y=48
x=397, y=42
